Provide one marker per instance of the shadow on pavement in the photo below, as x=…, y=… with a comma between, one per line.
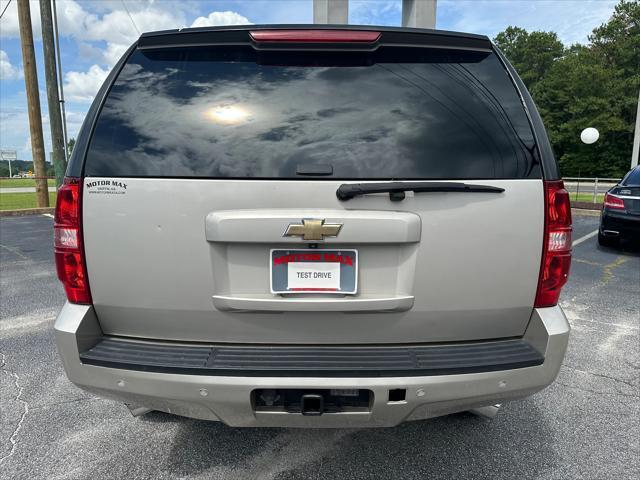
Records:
x=457, y=446
x=626, y=247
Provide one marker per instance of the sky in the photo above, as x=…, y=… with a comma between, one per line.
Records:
x=95, y=33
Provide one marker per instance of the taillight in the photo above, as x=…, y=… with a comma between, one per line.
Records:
x=315, y=36
x=612, y=202
x=556, y=249
x=67, y=242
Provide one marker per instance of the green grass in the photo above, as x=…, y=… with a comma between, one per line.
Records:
x=22, y=182
x=586, y=197
x=16, y=201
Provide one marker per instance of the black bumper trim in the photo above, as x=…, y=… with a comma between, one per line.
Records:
x=312, y=361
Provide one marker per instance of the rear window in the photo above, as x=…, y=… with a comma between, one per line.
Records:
x=633, y=178
x=239, y=113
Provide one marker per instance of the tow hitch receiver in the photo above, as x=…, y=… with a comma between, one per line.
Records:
x=312, y=404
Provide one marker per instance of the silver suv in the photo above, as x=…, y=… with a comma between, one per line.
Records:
x=312, y=226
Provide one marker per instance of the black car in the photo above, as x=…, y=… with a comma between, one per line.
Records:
x=621, y=211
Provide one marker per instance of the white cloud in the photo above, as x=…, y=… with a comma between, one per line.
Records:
x=113, y=52
x=74, y=122
x=117, y=30
x=115, y=26
x=8, y=71
x=83, y=86
x=221, y=18
x=375, y=12
x=9, y=27
x=90, y=53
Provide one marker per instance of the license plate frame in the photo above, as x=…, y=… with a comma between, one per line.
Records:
x=279, y=267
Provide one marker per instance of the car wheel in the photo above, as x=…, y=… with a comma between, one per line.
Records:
x=605, y=241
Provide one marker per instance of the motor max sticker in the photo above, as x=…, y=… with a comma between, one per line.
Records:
x=106, y=187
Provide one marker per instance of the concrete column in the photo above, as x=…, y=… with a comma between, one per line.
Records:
x=331, y=11
x=419, y=13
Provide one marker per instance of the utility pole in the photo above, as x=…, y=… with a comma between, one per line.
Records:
x=53, y=100
x=635, y=153
x=33, y=102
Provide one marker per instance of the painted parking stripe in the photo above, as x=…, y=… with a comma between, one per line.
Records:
x=585, y=238
x=47, y=215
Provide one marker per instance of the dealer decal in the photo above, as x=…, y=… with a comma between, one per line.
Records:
x=106, y=187
x=314, y=257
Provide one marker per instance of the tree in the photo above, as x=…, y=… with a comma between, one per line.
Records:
x=70, y=144
x=594, y=85
x=532, y=54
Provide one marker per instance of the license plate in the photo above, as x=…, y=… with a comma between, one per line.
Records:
x=314, y=271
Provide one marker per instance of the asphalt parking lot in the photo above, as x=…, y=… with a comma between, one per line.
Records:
x=585, y=426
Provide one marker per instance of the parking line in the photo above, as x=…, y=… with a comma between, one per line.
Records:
x=585, y=238
x=47, y=215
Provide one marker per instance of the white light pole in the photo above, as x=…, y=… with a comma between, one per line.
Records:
x=636, y=138
x=589, y=136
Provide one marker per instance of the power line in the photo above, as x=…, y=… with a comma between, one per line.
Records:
x=134, y=23
x=5, y=9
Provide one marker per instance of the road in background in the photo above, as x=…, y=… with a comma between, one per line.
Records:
x=17, y=190
x=586, y=425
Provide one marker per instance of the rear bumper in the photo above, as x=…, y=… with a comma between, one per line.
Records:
x=228, y=397
x=625, y=225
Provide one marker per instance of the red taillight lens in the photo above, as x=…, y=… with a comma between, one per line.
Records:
x=613, y=203
x=67, y=243
x=556, y=250
x=314, y=36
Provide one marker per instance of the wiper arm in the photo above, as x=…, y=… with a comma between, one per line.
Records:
x=396, y=190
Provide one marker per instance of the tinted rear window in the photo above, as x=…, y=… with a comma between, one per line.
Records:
x=395, y=113
x=633, y=179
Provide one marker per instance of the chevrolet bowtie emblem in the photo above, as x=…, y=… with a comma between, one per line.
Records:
x=313, y=229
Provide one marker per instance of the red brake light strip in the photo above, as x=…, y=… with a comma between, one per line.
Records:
x=315, y=36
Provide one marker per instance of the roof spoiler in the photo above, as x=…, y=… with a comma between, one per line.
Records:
x=245, y=35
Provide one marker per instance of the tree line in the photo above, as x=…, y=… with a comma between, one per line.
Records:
x=593, y=85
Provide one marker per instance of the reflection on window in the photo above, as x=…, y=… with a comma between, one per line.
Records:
x=207, y=118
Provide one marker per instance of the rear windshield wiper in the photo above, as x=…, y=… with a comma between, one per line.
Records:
x=396, y=190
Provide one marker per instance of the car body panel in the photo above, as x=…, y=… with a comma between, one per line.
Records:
x=228, y=398
x=178, y=246
x=623, y=223
x=158, y=254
